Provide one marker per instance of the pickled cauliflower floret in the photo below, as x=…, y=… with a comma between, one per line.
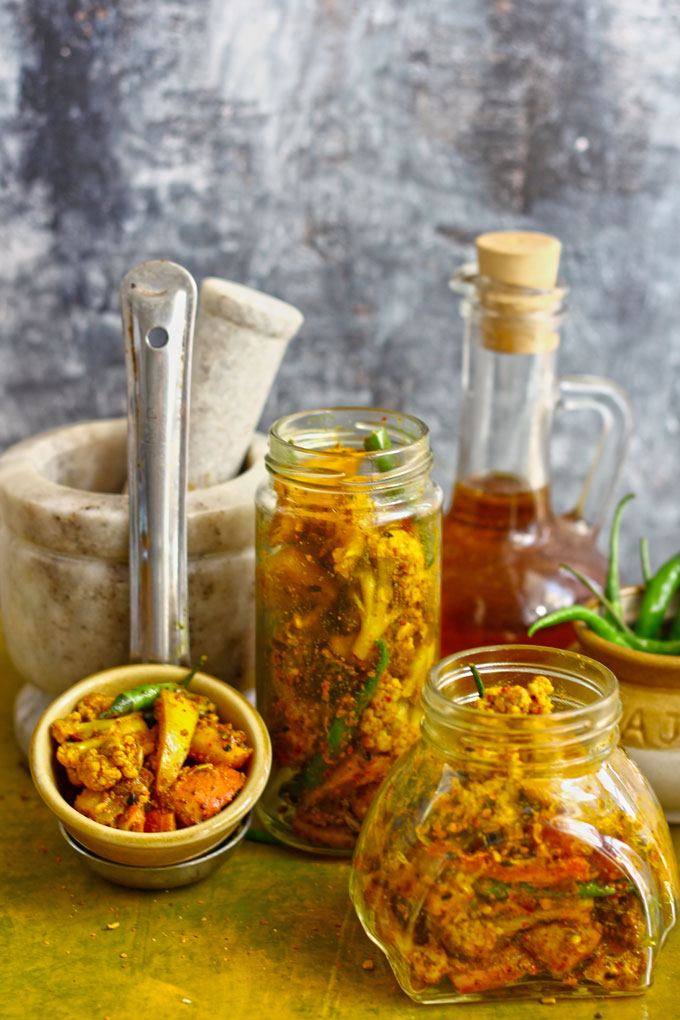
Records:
x=512, y=699
x=346, y=557
x=116, y=752
x=389, y=724
x=405, y=548
x=68, y=728
x=391, y=580
x=92, y=706
x=84, y=721
x=410, y=660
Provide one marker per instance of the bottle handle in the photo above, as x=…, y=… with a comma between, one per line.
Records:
x=590, y=392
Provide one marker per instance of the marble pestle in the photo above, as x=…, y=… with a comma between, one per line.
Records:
x=241, y=336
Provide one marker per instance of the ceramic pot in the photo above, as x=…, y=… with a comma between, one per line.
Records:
x=649, y=686
x=64, y=594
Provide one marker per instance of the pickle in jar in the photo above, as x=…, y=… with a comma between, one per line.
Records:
x=348, y=626
x=503, y=869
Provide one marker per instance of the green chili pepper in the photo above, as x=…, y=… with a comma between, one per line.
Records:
x=493, y=889
x=340, y=728
x=655, y=646
x=605, y=630
x=479, y=683
x=659, y=590
x=612, y=588
x=141, y=699
x=429, y=539
x=644, y=559
x=496, y=889
x=380, y=440
x=613, y=613
x=136, y=700
x=311, y=776
x=190, y=676
x=658, y=594
x=592, y=889
x=590, y=616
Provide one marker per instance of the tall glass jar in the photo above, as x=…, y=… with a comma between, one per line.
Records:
x=347, y=612
x=503, y=544
x=517, y=855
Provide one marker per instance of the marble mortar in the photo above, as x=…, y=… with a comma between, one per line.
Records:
x=64, y=592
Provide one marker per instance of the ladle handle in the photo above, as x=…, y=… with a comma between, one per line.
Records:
x=158, y=305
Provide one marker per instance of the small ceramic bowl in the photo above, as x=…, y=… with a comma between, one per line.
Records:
x=649, y=686
x=150, y=849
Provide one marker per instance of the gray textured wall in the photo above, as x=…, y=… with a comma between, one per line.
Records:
x=343, y=154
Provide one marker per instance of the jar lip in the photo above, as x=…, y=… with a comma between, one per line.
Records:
x=504, y=304
x=296, y=440
x=469, y=281
x=593, y=677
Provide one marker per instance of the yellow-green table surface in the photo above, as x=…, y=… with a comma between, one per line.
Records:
x=270, y=936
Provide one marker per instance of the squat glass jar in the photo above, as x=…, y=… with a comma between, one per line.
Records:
x=347, y=613
x=517, y=855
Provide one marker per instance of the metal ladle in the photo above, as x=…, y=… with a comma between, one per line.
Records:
x=158, y=306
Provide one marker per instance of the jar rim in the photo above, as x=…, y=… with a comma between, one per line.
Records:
x=297, y=439
x=484, y=298
x=449, y=694
x=470, y=282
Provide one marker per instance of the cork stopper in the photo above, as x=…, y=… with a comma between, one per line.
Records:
x=519, y=320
